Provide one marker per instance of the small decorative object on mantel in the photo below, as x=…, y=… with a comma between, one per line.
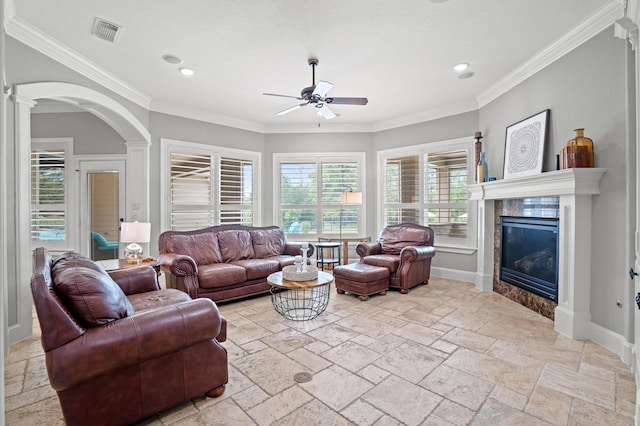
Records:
x=578, y=152
x=524, y=146
x=482, y=169
x=477, y=137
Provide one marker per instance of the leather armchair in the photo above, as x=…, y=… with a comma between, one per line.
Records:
x=406, y=250
x=118, y=348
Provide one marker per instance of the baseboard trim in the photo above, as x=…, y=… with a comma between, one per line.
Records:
x=453, y=274
x=615, y=342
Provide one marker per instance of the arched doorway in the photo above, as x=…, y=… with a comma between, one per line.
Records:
x=137, y=139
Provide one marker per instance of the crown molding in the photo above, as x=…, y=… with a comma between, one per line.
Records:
x=633, y=11
x=593, y=25
x=206, y=116
x=421, y=117
x=36, y=39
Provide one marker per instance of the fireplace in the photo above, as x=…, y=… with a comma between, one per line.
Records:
x=529, y=254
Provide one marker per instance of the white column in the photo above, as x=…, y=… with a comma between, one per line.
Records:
x=573, y=313
x=137, y=183
x=22, y=176
x=484, y=275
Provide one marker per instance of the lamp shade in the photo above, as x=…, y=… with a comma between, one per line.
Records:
x=135, y=232
x=351, y=198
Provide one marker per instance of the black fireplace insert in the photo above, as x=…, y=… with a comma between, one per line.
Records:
x=529, y=254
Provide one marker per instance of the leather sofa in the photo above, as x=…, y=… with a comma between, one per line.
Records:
x=406, y=250
x=118, y=348
x=225, y=262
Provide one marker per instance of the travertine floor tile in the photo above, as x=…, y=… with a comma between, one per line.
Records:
x=336, y=387
x=587, y=388
x=458, y=386
x=404, y=401
x=444, y=354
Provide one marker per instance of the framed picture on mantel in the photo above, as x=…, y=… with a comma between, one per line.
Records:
x=524, y=146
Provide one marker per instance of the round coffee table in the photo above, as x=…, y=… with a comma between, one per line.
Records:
x=300, y=300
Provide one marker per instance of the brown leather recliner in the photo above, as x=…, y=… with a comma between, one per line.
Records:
x=118, y=348
x=406, y=250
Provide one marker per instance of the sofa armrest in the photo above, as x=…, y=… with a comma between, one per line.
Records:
x=182, y=272
x=129, y=341
x=293, y=249
x=136, y=280
x=366, y=248
x=417, y=253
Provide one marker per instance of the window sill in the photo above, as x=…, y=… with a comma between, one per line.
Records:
x=451, y=248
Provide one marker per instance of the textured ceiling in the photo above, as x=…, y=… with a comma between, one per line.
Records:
x=399, y=54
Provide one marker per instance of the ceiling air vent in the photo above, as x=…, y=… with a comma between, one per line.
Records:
x=106, y=30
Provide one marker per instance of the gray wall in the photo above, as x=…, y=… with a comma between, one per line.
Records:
x=586, y=88
x=90, y=134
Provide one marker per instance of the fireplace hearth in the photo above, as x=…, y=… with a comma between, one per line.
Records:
x=529, y=254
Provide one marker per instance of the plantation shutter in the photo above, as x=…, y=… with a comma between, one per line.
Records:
x=339, y=177
x=402, y=190
x=445, y=207
x=298, y=197
x=236, y=191
x=192, y=198
x=48, y=198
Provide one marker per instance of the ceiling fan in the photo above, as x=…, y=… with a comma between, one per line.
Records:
x=316, y=94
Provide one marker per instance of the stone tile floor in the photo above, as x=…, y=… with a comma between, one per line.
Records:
x=445, y=354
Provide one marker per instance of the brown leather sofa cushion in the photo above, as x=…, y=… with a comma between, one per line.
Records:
x=203, y=248
x=221, y=275
x=267, y=242
x=92, y=295
x=394, y=239
x=235, y=244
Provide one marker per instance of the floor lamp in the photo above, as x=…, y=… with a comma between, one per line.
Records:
x=348, y=198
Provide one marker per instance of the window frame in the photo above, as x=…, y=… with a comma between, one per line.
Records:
x=319, y=158
x=168, y=146
x=466, y=245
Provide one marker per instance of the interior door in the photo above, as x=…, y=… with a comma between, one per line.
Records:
x=102, y=193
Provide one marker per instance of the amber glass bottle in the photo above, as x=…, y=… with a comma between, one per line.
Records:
x=579, y=151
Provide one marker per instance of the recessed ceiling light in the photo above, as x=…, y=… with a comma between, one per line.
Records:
x=465, y=75
x=461, y=66
x=187, y=71
x=172, y=59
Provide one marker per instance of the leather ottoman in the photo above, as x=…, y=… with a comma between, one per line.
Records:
x=361, y=279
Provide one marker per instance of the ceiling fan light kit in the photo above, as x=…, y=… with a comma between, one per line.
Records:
x=316, y=94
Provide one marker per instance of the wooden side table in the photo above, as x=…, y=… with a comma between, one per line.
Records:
x=119, y=264
x=345, y=246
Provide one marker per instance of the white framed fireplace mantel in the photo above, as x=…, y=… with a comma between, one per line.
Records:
x=575, y=189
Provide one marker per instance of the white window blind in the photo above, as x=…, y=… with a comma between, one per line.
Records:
x=236, y=191
x=445, y=209
x=428, y=185
x=310, y=192
x=209, y=187
x=48, y=194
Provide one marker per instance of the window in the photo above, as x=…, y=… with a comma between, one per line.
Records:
x=310, y=190
x=427, y=184
x=49, y=182
x=210, y=186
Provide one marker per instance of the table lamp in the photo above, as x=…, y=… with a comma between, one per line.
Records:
x=134, y=233
x=348, y=198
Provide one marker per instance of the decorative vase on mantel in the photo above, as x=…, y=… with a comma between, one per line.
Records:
x=578, y=152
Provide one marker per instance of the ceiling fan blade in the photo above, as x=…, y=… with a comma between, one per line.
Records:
x=322, y=88
x=347, y=101
x=284, y=96
x=288, y=110
x=326, y=112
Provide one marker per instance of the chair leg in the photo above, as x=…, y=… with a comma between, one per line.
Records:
x=404, y=291
x=214, y=393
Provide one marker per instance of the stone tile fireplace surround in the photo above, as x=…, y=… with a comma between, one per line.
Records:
x=575, y=189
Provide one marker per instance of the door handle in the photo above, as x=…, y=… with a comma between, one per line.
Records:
x=632, y=273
